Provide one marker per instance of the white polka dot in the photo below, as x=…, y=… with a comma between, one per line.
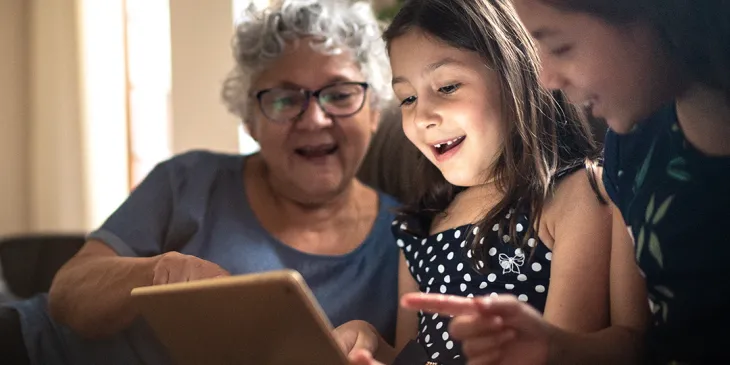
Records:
x=519, y=227
x=481, y=264
x=399, y=242
x=408, y=248
x=521, y=277
x=415, y=256
x=432, y=259
x=457, y=234
x=428, y=338
x=443, y=289
x=411, y=267
x=481, y=241
x=441, y=269
x=483, y=285
x=495, y=228
x=467, y=277
x=450, y=345
x=469, y=253
x=420, y=263
x=519, y=252
x=423, y=319
x=418, y=277
x=439, y=237
x=549, y=256
x=522, y=298
x=505, y=238
x=493, y=295
x=447, y=279
x=439, y=325
x=427, y=268
x=429, y=250
x=428, y=289
x=435, y=355
x=531, y=242
x=450, y=256
x=446, y=247
x=536, y=266
x=463, y=244
x=470, y=295
x=475, y=231
x=492, y=277
x=459, y=266
x=423, y=242
x=509, y=286
x=462, y=287
x=394, y=222
x=492, y=251
x=429, y=344
x=540, y=289
x=435, y=315
x=403, y=226
x=457, y=356
x=445, y=336
x=425, y=328
x=508, y=215
x=430, y=281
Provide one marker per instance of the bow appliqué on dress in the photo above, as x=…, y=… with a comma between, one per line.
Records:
x=511, y=264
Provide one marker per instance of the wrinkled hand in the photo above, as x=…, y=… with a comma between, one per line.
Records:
x=493, y=330
x=357, y=335
x=174, y=267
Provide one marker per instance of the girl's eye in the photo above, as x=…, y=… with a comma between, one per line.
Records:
x=561, y=50
x=408, y=101
x=449, y=89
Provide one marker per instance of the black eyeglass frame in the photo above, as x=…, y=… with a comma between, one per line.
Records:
x=308, y=94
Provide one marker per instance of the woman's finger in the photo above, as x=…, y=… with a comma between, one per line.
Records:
x=439, y=303
x=362, y=357
x=475, y=325
x=477, y=347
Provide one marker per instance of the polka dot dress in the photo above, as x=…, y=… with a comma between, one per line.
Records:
x=442, y=263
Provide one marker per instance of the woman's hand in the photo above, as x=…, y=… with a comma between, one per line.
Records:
x=357, y=335
x=174, y=267
x=498, y=331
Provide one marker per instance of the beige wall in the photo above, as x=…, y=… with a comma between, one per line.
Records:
x=14, y=215
x=201, y=58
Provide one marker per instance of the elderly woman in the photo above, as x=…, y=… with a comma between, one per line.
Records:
x=309, y=83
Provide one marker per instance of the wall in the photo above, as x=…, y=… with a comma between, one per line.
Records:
x=201, y=58
x=14, y=174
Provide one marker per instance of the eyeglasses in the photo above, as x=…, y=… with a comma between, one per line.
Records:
x=342, y=99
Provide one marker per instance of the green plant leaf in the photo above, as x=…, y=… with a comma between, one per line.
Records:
x=662, y=210
x=649, y=209
x=677, y=169
x=640, y=244
x=664, y=291
x=641, y=175
x=655, y=249
x=665, y=311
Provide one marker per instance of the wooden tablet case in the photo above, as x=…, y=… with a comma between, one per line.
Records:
x=259, y=319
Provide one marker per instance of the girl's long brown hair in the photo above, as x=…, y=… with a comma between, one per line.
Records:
x=545, y=134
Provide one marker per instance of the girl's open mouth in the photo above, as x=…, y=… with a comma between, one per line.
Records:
x=443, y=147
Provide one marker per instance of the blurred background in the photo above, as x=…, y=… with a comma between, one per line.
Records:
x=94, y=93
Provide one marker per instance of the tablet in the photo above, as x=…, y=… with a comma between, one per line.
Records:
x=268, y=318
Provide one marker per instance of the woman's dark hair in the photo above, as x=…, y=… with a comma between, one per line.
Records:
x=545, y=134
x=695, y=32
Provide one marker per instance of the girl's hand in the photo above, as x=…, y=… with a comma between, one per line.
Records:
x=357, y=335
x=499, y=330
x=362, y=357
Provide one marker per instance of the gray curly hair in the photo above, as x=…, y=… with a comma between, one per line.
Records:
x=337, y=26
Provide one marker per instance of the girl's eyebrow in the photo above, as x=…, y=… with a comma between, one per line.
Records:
x=543, y=32
x=431, y=68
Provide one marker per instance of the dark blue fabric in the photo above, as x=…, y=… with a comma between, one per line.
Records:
x=676, y=203
x=195, y=204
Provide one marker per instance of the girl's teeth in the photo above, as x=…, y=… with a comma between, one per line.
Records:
x=449, y=143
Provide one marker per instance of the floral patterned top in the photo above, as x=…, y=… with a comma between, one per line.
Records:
x=676, y=202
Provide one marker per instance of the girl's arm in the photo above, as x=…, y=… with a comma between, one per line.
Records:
x=580, y=228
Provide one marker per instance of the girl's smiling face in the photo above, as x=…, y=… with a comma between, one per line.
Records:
x=451, y=106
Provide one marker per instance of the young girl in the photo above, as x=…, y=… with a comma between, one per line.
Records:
x=506, y=204
x=658, y=71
